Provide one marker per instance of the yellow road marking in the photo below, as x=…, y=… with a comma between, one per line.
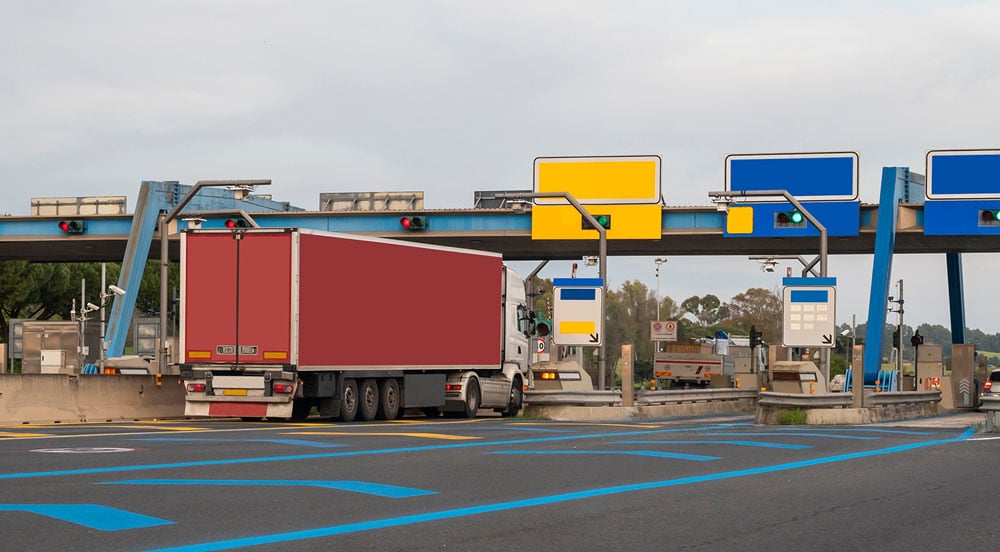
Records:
x=641, y=426
x=4, y=434
x=443, y=436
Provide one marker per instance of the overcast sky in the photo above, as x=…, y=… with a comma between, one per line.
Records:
x=449, y=97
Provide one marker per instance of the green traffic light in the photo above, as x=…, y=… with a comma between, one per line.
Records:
x=796, y=217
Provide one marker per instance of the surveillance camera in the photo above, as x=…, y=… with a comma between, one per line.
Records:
x=768, y=266
x=845, y=333
x=93, y=307
x=116, y=290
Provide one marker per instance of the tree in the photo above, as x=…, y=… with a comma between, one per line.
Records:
x=706, y=308
x=756, y=307
x=629, y=312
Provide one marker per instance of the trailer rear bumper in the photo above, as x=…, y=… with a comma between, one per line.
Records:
x=226, y=407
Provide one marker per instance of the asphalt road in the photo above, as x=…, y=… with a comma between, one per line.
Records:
x=716, y=483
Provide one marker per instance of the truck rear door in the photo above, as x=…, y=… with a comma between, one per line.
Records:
x=237, y=297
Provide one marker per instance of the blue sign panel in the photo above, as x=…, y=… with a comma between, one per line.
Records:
x=840, y=218
x=962, y=218
x=806, y=176
x=963, y=174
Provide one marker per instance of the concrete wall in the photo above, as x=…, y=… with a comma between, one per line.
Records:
x=652, y=412
x=45, y=398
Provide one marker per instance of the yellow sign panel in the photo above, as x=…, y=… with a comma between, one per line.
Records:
x=599, y=180
x=739, y=220
x=564, y=222
x=625, y=189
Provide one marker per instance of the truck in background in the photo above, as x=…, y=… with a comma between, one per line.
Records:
x=707, y=362
x=275, y=322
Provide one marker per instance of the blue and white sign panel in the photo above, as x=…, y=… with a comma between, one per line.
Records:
x=577, y=311
x=825, y=183
x=963, y=174
x=963, y=193
x=829, y=176
x=809, y=306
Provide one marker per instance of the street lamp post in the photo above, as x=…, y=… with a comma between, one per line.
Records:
x=164, y=223
x=658, y=262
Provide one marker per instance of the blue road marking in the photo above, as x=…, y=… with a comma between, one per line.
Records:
x=94, y=516
x=804, y=434
x=317, y=456
x=297, y=442
x=539, y=501
x=736, y=443
x=861, y=429
x=653, y=453
x=377, y=489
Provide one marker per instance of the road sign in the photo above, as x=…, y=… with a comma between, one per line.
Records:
x=809, y=306
x=963, y=174
x=663, y=331
x=825, y=183
x=963, y=193
x=577, y=311
x=626, y=189
x=806, y=176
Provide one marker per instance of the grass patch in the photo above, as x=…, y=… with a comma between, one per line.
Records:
x=796, y=416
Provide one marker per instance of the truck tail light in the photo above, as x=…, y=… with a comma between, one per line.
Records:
x=196, y=387
x=547, y=375
x=453, y=387
x=284, y=388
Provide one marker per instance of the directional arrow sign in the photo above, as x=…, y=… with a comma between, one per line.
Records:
x=577, y=310
x=809, y=312
x=377, y=489
x=94, y=516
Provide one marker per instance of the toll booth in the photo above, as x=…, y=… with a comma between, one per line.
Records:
x=801, y=377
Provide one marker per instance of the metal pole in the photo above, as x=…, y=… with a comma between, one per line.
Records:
x=602, y=252
x=104, y=287
x=899, y=353
x=164, y=260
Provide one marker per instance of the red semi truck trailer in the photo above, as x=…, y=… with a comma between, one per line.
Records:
x=275, y=322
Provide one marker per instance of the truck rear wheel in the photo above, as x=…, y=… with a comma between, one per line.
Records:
x=349, y=402
x=368, y=403
x=388, y=407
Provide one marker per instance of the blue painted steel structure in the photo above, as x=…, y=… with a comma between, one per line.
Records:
x=893, y=178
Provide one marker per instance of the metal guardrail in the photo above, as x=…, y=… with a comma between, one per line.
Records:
x=902, y=397
x=844, y=400
x=700, y=395
x=991, y=406
x=646, y=398
x=573, y=398
x=800, y=400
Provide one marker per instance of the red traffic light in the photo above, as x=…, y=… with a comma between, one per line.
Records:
x=413, y=223
x=233, y=224
x=72, y=226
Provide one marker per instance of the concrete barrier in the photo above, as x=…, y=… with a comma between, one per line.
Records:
x=47, y=398
x=652, y=412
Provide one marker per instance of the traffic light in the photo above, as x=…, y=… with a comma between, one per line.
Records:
x=414, y=223
x=917, y=339
x=72, y=226
x=603, y=220
x=895, y=338
x=755, y=337
x=789, y=219
x=543, y=327
x=989, y=217
x=236, y=223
